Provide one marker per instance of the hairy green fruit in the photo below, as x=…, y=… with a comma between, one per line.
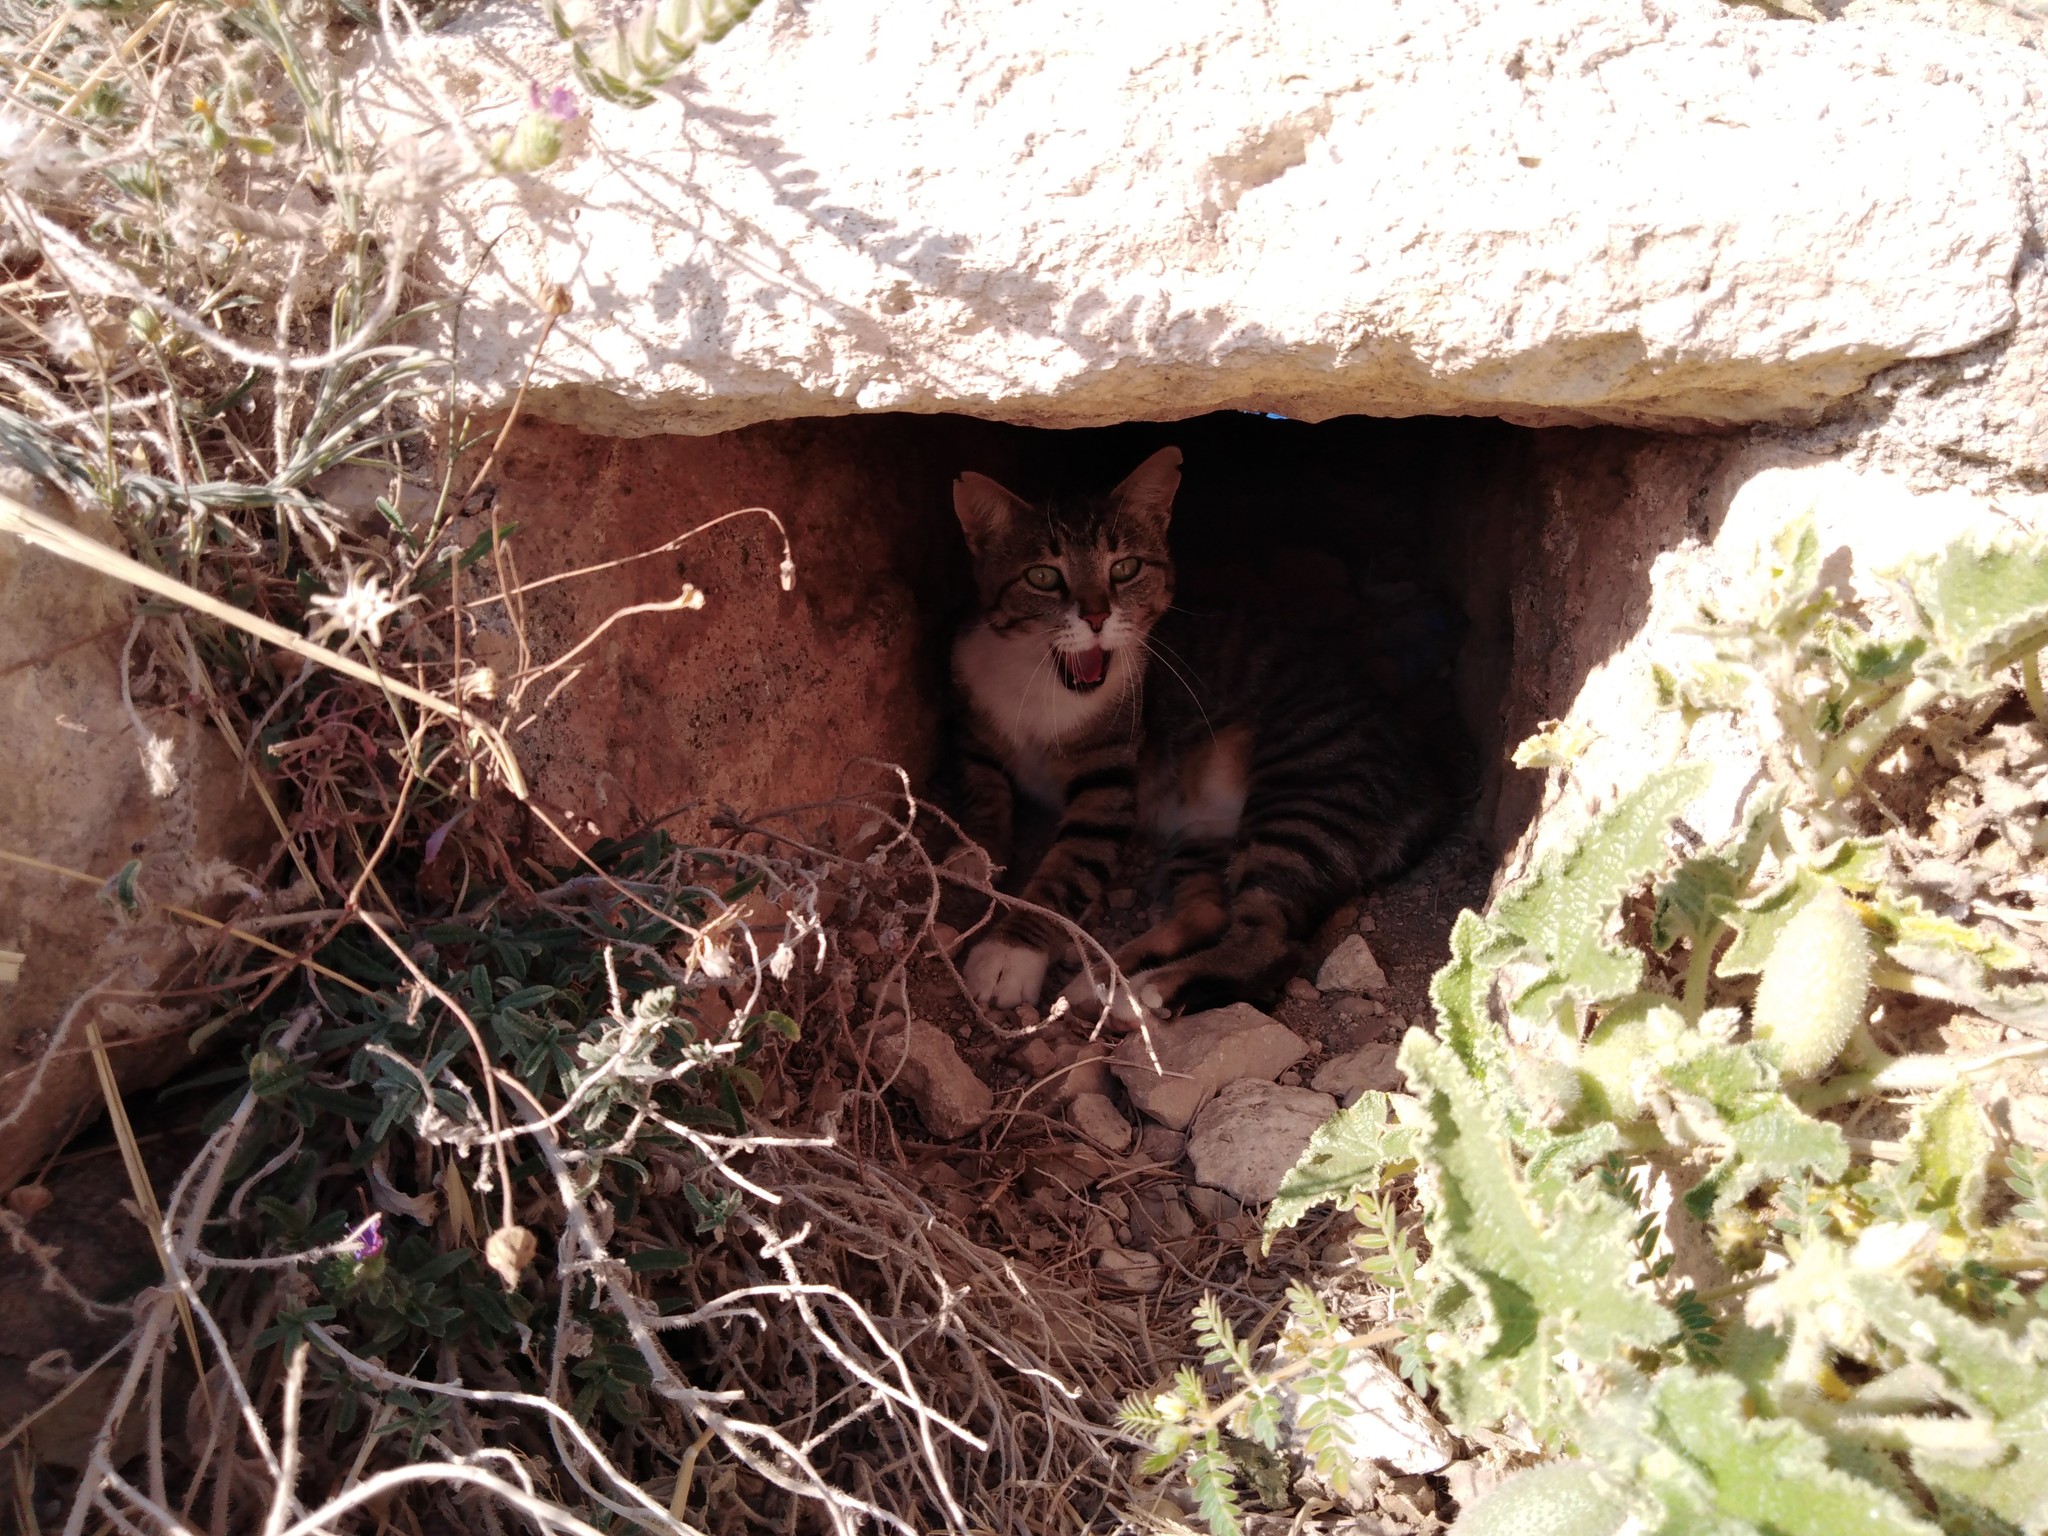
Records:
x=1565, y=1499
x=1814, y=986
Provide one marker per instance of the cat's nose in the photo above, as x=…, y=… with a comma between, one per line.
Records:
x=1095, y=621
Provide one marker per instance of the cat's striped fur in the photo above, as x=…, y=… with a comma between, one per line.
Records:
x=1257, y=759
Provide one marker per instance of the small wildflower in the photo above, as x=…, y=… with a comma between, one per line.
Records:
x=555, y=300
x=782, y=962
x=710, y=955
x=788, y=573
x=71, y=339
x=367, y=1240
x=479, y=683
x=559, y=103
x=358, y=610
x=692, y=597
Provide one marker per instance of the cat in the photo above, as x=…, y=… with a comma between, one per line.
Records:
x=1257, y=759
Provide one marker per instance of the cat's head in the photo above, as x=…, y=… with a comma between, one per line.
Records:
x=1086, y=576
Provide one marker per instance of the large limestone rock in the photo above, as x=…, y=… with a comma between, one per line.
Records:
x=1559, y=211
x=76, y=794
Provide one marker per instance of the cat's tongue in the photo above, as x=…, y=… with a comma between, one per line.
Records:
x=1087, y=665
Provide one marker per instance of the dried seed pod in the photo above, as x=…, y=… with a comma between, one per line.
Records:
x=1814, y=986
x=509, y=1251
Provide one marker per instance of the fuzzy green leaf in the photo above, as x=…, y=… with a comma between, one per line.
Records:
x=1697, y=897
x=1948, y=1156
x=1772, y=1473
x=1561, y=913
x=1541, y=1279
x=1735, y=1097
x=1701, y=688
x=1983, y=599
x=1358, y=1148
x=1855, y=864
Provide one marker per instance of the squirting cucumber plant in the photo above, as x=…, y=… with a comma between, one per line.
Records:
x=1695, y=1218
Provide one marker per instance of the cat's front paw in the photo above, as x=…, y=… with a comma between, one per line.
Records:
x=1135, y=1001
x=1003, y=974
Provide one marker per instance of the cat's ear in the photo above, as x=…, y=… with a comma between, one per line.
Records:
x=984, y=508
x=1147, y=491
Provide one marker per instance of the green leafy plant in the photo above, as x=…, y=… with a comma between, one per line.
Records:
x=1653, y=1240
x=644, y=53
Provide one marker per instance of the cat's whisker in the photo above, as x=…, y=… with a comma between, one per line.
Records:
x=1158, y=650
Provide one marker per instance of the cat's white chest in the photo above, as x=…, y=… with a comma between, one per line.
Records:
x=1012, y=683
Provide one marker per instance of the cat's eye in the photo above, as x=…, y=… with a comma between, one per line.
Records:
x=1125, y=568
x=1044, y=577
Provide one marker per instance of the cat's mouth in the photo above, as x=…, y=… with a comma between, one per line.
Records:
x=1082, y=671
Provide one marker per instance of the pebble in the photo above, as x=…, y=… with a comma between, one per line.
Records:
x=1366, y=924
x=1351, y=967
x=920, y=1063
x=1302, y=989
x=1122, y=899
x=1212, y=1205
x=1129, y=1271
x=1101, y=1122
x=1247, y=1138
x=1200, y=1054
x=1368, y=1067
x=1157, y=1144
x=1027, y=1016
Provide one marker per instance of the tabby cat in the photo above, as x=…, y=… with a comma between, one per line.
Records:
x=1255, y=758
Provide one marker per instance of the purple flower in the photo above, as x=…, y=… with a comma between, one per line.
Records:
x=559, y=103
x=367, y=1241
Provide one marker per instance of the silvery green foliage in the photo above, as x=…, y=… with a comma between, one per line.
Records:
x=1867, y=1349
x=647, y=51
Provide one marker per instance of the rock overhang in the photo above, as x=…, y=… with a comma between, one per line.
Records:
x=1685, y=217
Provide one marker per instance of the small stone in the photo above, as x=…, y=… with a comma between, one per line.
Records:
x=1354, y=1007
x=1366, y=924
x=944, y=937
x=887, y=994
x=29, y=1200
x=1083, y=1068
x=1302, y=989
x=1129, y=1271
x=1161, y=1216
x=1157, y=1144
x=1346, y=916
x=1118, y=1207
x=1246, y=1138
x=1370, y=1067
x=1027, y=1016
x=1212, y=1205
x=1388, y=1426
x=1351, y=968
x=1037, y=1057
x=919, y=1062
x=1122, y=899
x=1289, y=1079
x=1100, y=1121
x=1199, y=1054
